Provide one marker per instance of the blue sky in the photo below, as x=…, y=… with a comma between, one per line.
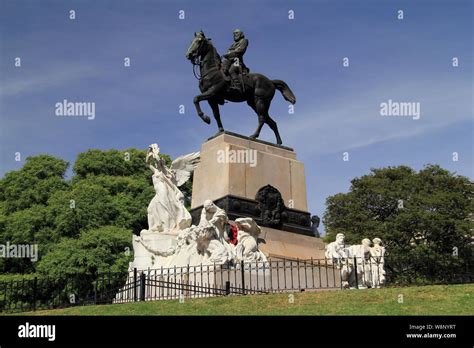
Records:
x=337, y=110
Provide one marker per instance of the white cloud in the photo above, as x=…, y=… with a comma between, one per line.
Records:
x=354, y=121
x=43, y=79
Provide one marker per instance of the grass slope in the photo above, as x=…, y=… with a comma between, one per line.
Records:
x=422, y=300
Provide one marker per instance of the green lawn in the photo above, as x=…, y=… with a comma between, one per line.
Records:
x=421, y=300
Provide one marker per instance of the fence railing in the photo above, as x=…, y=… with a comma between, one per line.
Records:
x=50, y=293
x=191, y=282
x=240, y=279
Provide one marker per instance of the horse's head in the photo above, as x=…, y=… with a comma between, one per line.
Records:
x=198, y=46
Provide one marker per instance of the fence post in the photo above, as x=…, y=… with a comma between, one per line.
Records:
x=11, y=294
x=227, y=288
x=355, y=272
x=35, y=285
x=243, y=275
x=298, y=265
x=95, y=289
x=134, y=285
x=5, y=295
x=142, y=286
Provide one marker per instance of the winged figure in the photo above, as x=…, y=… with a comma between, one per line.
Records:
x=166, y=211
x=181, y=168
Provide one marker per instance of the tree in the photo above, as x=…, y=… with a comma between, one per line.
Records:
x=28, y=226
x=38, y=206
x=129, y=198
x=100, y=250
x=421, y=217
x=76, y=264
x=39, y=178
x=23, y=214
x=85, y=206
x=130, y=162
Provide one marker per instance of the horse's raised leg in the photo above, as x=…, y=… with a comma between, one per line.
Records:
x=201, y=114
x=259, y=107
x=208, y=94
x=217, y=115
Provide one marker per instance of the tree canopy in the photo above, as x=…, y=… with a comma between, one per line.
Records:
x=94, y=213
x=422, y=217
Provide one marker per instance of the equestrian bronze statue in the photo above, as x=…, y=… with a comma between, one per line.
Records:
x=217, y=86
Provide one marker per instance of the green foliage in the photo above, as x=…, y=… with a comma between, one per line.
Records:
x=16, y=277
x=130, y=162
x=85, y=206
x=129, y=198
x=421, y=217
x=28, y=226
x=83, y=226
x=187, y=189
x=23, y=214
x=72, y=267
x=101, y=250
x=38, y=206
x=33, y=184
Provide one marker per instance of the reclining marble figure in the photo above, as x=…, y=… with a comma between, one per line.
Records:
x=247, y=241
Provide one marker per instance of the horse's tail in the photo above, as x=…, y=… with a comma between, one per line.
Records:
x=285, y=90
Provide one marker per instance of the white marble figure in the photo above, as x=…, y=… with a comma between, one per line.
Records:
x=212, y=241
x=167, y=215
x=377, y=253
x=247, y=246
x=337, y=254
x=335, y=250
x=361, y=252
x=366, y=266
x=369, y=261
x=166, y=211
x=171, y=240
x=207, y=243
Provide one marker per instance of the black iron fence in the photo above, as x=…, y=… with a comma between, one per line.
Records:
x=192, y=282
x=50, y=293
x=239, y=279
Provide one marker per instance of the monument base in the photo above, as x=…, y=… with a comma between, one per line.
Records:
x=252, y=178
x=276, y=244
x=292, y=220
x=235, y=165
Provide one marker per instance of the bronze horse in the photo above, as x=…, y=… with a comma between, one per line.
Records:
x=258, y=90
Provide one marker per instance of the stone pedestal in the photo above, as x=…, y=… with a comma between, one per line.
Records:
x=252, y=178
x=160, y=247
x=222, y=173
x=277, y=244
